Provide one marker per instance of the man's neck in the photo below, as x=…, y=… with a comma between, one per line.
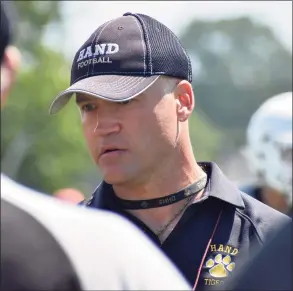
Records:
x=170, y=178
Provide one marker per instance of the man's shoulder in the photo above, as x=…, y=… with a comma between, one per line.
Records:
x=250, y=189
x=257, y=208
x=264, y=218
x=255, y=274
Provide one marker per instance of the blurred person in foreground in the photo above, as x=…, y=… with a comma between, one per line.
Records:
x=132, y=83
x=47, y=244
x=269, y=152
x=9, y=56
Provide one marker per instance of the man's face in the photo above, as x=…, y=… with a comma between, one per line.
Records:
x=129, y=140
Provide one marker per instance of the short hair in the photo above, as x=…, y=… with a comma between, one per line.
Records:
x=170, y=83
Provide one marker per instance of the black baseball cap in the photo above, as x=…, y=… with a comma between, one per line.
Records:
x=124, y=57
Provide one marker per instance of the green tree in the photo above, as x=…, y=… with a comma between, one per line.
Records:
x=237, y=65
x=33, y=20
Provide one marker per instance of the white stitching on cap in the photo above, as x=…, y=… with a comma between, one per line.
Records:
x=188, y=60
x=120, y=73
x=147, y=37
x=92, y=56
x=142, y=42
x=122, y=88
x=91, y=46
x=55, y=108
x=99, y=37
x=107, y=98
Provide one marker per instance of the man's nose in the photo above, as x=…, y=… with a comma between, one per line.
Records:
x=106, y=125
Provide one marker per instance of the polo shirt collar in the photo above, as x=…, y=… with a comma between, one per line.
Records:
x=220, y=187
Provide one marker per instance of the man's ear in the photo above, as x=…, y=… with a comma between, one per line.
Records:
x=185, y=100
x=9, y=69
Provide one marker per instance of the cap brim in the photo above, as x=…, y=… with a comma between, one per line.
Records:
x=113, y=88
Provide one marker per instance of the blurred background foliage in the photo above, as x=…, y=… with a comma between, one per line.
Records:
x=42, y=151
x=237, y=64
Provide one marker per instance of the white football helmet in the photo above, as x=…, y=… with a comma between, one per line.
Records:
x=269, y=144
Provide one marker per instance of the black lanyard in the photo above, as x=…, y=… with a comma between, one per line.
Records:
x=166, y=200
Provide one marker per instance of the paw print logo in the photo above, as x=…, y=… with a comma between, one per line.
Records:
x=219, y=266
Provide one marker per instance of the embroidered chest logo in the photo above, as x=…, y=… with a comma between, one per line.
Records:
x=220, y=263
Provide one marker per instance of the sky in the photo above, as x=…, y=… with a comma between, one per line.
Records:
x=81, y=18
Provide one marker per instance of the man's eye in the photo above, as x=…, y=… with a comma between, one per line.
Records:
x=125, y=102
x=88, y=107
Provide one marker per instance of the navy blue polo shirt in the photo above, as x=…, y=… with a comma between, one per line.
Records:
x=213, y=231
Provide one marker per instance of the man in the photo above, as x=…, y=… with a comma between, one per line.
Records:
x=269, y=152
x=132, y=80
x=47, y=244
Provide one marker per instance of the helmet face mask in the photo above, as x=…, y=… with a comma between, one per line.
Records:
x=269, y=144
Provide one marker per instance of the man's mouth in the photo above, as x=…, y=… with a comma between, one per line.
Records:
x=111, y=151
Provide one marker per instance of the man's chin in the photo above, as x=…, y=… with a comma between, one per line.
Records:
x=118, y=174
x=114, y=178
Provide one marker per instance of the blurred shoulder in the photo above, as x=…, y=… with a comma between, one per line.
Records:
x=265, y=219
